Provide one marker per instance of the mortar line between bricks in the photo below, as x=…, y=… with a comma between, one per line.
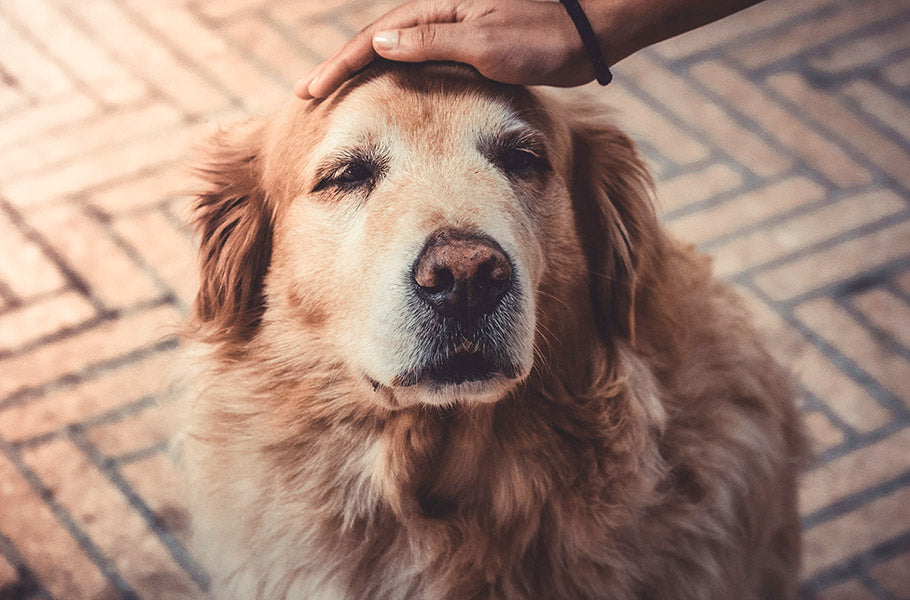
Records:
x=63, y=516
x=795, y=213
x=104, y=222
x=820, y=128
x=141, y=454
x=860, y=441
x=89, y=372
x=32, y=235
x=813, y=403
x=849, y=567
x=875, y=389
x=826, y=80
x=35, y=299
x=86, y=325
x=114, y=415
x=28, y=584
x=154, y=89
x=724, y=48
x=884, y=269
x=82, y=86
x=846, y=505
x=8, y=296
x=803, y=57
x=113, y=475
x=884, y=337
x=722, y=197
x=898, y=291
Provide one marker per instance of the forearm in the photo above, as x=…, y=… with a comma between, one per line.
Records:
x=624, y=27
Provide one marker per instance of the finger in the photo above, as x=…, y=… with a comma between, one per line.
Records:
x=436, y=41
x=358, y=52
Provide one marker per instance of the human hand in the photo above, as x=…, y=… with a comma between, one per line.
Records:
x=526, y=42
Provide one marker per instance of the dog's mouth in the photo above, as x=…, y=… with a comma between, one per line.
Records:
x=458, y=368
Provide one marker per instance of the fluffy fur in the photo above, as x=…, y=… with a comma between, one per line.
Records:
x=648, y=450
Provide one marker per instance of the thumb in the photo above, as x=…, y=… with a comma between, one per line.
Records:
x=437, y=41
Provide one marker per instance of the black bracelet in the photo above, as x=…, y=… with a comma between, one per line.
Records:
x=589, y=40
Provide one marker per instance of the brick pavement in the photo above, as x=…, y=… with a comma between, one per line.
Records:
x=781, y=142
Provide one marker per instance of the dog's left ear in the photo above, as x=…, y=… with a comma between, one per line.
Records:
x=612, y=192
x=233, y=220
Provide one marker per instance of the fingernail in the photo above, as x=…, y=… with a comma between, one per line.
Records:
x=385, y=40
x=301, y=88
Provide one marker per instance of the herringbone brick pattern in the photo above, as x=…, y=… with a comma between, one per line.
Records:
x=780, y=139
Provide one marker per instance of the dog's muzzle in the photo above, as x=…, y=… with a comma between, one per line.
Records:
x=465, y=286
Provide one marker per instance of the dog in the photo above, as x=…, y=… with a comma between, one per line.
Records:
x=442, y=349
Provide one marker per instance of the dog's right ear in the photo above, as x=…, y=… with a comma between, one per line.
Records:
x=233, y=219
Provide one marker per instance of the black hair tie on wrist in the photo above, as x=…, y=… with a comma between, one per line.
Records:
x=589, y=40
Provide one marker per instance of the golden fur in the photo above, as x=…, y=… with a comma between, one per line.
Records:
x=648, y=447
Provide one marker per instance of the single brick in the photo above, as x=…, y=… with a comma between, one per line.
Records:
x=157, y=480
x=12, y=98
x=845, y=125
x=86, y=137
x=812, y=33
x=145, y=53
x=87, y=400
x=855, y=342
x=273, y=49
x=296, y=15
x=894, y=575
x=818, y=151
x=44, y=317
x=854, y=472
x=225, y=9
x=731, y=30
x=102, y=343
x=800, y=232
x=888, y=312
x=643, y=122
x=141, y=191
x=903, y=281
x=111, y=521
x=888, y=109
x=81, y=55
x=871, y=524
x=705, y=116
x=25, y=268
x=113, y=276
x=747, y=209
x=132, y=433
x=867, y=50
x=822, y=431
x=169, y=251
x=816, y=372
x=688, y=188
x=43, y=542
x=29, y=67
x=43, y=118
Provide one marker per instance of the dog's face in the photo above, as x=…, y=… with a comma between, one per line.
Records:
x=418, y=229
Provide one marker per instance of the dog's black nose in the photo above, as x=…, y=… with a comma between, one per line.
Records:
x=462, y=275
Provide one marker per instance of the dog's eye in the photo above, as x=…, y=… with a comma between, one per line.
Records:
x=349, y=176
x=520, y=161
x=354, y=174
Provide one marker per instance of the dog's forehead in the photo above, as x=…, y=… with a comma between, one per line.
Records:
x=429, y=109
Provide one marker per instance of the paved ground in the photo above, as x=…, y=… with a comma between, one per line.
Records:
x=781, y=143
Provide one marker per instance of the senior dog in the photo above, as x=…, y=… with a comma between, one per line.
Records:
x=443, y=350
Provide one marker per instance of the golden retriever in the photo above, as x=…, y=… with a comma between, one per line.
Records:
x=443, y=350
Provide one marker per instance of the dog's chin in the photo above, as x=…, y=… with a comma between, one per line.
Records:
x=429, y=391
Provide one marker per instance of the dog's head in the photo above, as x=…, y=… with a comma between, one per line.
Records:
x=434, y=235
